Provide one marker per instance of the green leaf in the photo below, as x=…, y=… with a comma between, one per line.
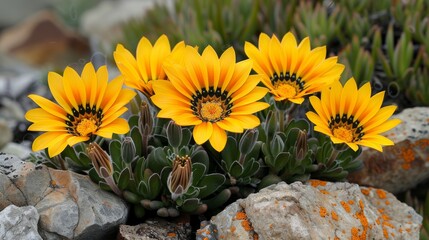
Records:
x=219, y=199
x=190, y=205
x=281, y=161
x=124, y=179
x=210, y=183
x=154, y=185
x=200, y=156
x=198, y=171
x=139, y=168
x=137, y=139
x=94, y=175
x=236, y=169
x=143, y=189
x=186, y=136
x=104, y=186
x=115, y=153
x=131, y=197
x=133, y=121
x=230, y=152
x=251, y=166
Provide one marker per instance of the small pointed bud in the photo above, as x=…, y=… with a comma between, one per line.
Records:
x=270, y=125
x=174, y=134
x=145, y=119
x=128, y=150
x=276, y=145
x=180, y=178
x=100, y=160
x=248, y=140
x=301, y=145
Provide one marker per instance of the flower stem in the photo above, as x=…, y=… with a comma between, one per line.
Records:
x=281, y=116
x=335, y=152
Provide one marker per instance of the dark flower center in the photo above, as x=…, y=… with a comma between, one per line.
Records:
x=287, y=79
x=84, y=121
x=211, y=105
x=345, y=128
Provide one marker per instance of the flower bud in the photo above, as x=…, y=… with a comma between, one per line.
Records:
x=100, y=160
x=180, y=178
x=301, y=145
x=128, y=150
x=248, y=140
x=145, y=119
x=174, y=134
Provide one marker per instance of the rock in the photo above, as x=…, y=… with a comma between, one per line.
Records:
x=315, y=210
x=17, y=10
x=155, y=230
x=42, y=40
x=19, y=223
x=70, y=205
x=21, y=150
x=404, y=165
x=6, y=133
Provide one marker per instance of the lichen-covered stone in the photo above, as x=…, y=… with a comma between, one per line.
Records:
x=404, y=165
x=70, y=205
x=316, y=210
x=19, y=223
x=155, y=230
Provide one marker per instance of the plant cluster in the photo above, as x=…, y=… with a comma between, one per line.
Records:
x=202, y=129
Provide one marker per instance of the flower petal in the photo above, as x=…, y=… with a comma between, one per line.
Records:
x=218, y=138
x=202, y=132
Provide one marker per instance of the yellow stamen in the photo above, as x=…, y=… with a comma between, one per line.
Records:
x=86, y=126
x=285, y=89
x=211, y=110
x=343, y=134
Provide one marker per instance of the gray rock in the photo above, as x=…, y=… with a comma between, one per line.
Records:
x=70, y=205
x=19, y=223
x=155, y=230
x=6, y=133
x=404, y=165
x=316, y=210
x=21, y=150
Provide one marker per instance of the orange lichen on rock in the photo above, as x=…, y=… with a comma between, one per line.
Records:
x=255, y=236
x=244, y=222
x=171, y=234
x=408, y=155
x=355, y=233
x=334, y=215
x=365, y=191
x=323, y=212
x=316, y=183
x=246, y=225
x=381, y=193
x=232, y=229
x=345, y=206
x=324, y=191
x=240, y=215
x=363, y=220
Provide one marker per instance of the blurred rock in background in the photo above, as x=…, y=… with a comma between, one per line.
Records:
x=43, y=40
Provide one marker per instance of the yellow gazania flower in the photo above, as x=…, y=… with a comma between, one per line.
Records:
x=292, y=71
x=140, y=72
x=211, y=93
x=86, y=105
x=350, y=115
